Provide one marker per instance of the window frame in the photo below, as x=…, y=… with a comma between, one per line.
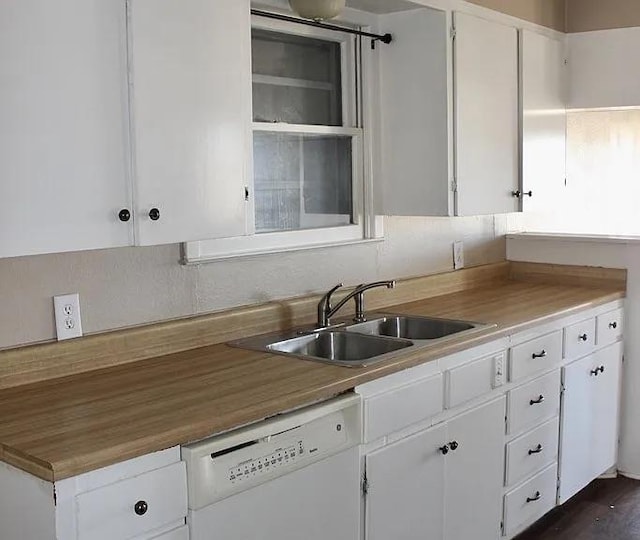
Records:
x=366, y=226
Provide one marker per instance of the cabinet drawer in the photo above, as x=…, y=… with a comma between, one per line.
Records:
x=535, y=355
x=402, y=407
x=531, y=500
x=580, y=338
x=471, y=380
x=609, y=327
x=181, y=533
x=110, y=511
x=532, y=451
x=534, y=402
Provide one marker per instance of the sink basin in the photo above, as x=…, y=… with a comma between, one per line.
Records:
x=341, y=348
x=413, y=328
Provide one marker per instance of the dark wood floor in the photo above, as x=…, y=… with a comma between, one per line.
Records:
x=604, y=510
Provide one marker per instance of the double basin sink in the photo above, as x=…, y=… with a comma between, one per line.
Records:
x=361, y=344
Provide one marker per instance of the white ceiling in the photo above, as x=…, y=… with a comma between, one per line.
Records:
x=382, y=6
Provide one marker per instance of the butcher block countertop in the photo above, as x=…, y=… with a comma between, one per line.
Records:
x=65, y=426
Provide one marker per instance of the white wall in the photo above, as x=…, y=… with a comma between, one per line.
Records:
x=131, y=286
x=611, y=254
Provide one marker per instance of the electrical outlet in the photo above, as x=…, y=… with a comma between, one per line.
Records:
x=498, y=370
x=67, y=312
x=458, y=255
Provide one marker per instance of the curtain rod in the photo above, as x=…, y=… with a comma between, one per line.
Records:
x=386, y=38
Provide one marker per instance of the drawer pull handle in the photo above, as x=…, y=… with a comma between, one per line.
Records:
x=536, y=450
x=535, y=498
x=613, y=325
x=141, y=508
x=537, y=401
x=541, y=354
x=444, y=449
x=597, y=370
x=454, y=445
x=583, y=337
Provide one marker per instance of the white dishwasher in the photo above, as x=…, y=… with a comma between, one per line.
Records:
x=293, y=477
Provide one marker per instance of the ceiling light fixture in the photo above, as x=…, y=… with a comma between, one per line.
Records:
x=317, y=10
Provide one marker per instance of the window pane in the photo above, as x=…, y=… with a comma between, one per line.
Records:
x=296, y=79
x=302, y=181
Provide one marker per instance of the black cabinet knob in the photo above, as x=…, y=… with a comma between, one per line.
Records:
x=454, y=445
x=613, y=325
x=536, y=497
x=519, y=194
x=124, y=215
x=594, y=372
x=541, y=354
x=536, y=450
x=583, y=337
x=154, y=214
x=537, y=401
x=141, y=508
x=444, y=449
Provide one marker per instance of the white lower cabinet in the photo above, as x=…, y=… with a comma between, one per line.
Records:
x=589, y=427
x=443, y=482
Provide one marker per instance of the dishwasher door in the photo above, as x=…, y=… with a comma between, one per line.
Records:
x=318, y=502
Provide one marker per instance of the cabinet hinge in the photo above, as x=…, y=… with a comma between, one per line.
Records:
x=502, y=528
x=55, y=496
x=365, y=484
x=246, y=193
x=454, y=185
x=452, y=32
x=563, y=388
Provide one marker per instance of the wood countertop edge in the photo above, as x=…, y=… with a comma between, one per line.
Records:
x=184, y=434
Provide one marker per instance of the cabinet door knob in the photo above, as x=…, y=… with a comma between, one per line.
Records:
x=594, y=372
x=536, y=450
x=601, y=368
x=154, y=214
x=613, y=325
x=454, y=445
x=583, y=337
x=444, y=449
x=537, y=401
x=536, y=497
x=141, y=508
x=124, y=215
x=519, y=194
x=541, y=354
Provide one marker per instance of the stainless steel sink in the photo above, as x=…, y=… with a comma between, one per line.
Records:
x=417, y=329
x=335, y=347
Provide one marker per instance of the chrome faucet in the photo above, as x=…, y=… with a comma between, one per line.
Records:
x=326, y=311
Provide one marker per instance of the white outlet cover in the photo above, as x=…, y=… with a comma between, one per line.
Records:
x=67, y=311
x=458, y=255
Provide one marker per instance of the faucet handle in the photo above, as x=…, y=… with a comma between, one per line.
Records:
x=327, y=296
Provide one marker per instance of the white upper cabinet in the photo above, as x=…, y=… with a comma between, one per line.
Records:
x=63, y=117
x=602, y=70
x=190, y=78
x=544, y=121
x=486, y=116
x=414, y=91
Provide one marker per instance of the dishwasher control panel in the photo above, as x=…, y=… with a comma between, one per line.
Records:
x=225, y=465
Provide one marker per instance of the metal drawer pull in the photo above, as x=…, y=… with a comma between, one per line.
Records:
x=613, y=325
x=536, y=497
x=141, y=508
x=541, y=354
x=536, y=450
x=537, y=401
x=583, y=337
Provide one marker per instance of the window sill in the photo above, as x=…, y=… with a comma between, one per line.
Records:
x=191, y=255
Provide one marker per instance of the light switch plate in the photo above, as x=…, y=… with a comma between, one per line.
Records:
x=458, y=255
x=67, y=312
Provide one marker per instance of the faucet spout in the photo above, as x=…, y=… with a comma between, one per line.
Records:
x=326, y=311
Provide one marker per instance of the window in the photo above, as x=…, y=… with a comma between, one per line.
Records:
x=310, y=183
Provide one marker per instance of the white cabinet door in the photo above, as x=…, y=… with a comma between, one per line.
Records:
x=475, y=472
x=589, y=421
x=63, y=112
x=406, y=486
x=486, y=116
x=191, y=110
x=544, y=122
x=414, y=115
